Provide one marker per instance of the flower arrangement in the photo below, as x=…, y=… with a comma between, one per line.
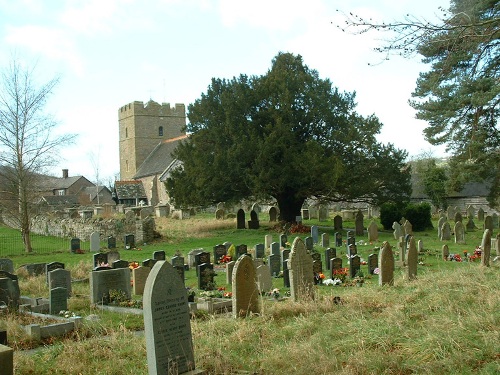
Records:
x=476, y=255
x=133, y=265
x=455, y=257
x=319, y=277
x=275, y=293
x=225, y=259
x=340, y=274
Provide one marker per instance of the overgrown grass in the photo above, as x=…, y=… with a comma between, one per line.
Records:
x=445, y=322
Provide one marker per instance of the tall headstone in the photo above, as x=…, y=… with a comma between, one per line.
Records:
x=95, y=242
x=440, y=224
x=58, y=300
x=358, y=223
x=219, y=252
x=446, y=232
x=325, y=240
x=283, y=240
x=273, y=214
x=372, y=232
x=355, y=265
x=314, y=234
x=139, y=277
x=229, y=271
x=372, y=263
x=408, y=228
x=488, y=223
x=330, y=253
x=338, y=239
x=274, y=264
x=398, y=231
x=412, y=259
x=301, y=272
x=480, y=214
x=60, y=278
x=459, y=232
x=240, y=219
x=205, y=276
x=245, y=299
x=386, y=265
x=264, y=279
x=470, y=211
x=260, y=251
x=309, y=243
x=337, y=223
x=486, y=248
x=200, y=258
x=458, y=217
x=275, y=248
x=167, y=325
x=268, y=240
x=335, y=265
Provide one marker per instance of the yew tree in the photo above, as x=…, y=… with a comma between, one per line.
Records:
x=288, y=135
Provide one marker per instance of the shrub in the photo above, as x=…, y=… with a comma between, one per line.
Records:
x=419, y=215
x=389, y=213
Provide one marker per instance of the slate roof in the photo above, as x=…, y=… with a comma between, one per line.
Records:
x=56, y=183
x=130, y=190
x=91, y=191
x=61, y=200
x=160, y=157
x=176, y=163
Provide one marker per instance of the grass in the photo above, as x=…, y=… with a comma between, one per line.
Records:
x=445, y=322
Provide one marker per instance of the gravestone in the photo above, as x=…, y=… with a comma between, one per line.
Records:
x=102, y=282
x=408, y=228
x=229, y=271
x=275, y=248
x=35, y=269
x=7, y=265
x=335, y=265
x=95, y=242
x=51, y=267
x=420, y=246
x=372, y=263
x=286, y=274
x=268, y=240
x=219, y=252
x=301, y=272
x=440, y=224
x=60, y=278
x=325, y=240
x=470, y=224
x=402, y=251
x=337, y=223
x=6, y=360
x=317, y=270
x=206, y=276
x=159, y=255
x=352, y=250
x=111, y=242
x=314, y=234
x=386, y=265
x=167, y=325
x=488, y=223
x=480, y=214
x=244, y=285
x=398, y=231
x=112, y=256
x=181, y=271
x=459, y=232
x=283, y=240
x=458, y=217
x=323, y=213
x=139, y=277
x=9, y=290
x=285, y=254
x=219, y=214
x=253, y=223
x=129, y=241
x=149, y=262
x=450, y=213
x=273, y=214
x=260, y=251
x=354, y=265
x=200, y=258
x=75, y=245
x=358, y=223
x=486, y=248
x=494, y=218
x=241, y=250
x=446, y=232
x=470, y=211
x=445, y=252
x=274, y=264
x=192, y=256
x=498, y=244
x=100, y=259
x=177, y=261
x=58, y=300
x=412, y=259
x=338, y=239
x=330, y=253
x=372, y=232
x=309, y=243
x=264, y=279
x=120, y=263
x=258, y=262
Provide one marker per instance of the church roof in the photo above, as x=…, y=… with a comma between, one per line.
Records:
x=129, y=190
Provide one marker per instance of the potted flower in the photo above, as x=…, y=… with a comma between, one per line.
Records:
x=359, y=279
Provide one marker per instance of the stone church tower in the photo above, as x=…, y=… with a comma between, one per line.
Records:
x=142, y=127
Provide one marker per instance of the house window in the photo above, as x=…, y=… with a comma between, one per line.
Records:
x=160, y=131
x=60, y=192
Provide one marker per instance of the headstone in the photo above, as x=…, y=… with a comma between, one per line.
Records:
x=352, y=250
x=219, y=214
x=470, y=224
x=323, y=213
x=268, y=240
x=286, y=274
x=301, y=272
x=402, y=250
x=112, y=256
x=200, y=258
x=488, y=223
x=372, y=263
x=354, y=265
x=458, y=217
x=314, y=234
x=440, y=224
x=264, y=279
x=358, y=223
x=149, y=262
x=337, y=223
x=445, y=252
x=412, y=259
x=111, y=242
x=129, y=241
x=245, y=299
x=260, y=251
x=206, y=276
x=338, y=239
x=459, y=232
x=219, y=252
x=139, y=277
x=102, y=282
x=480, y=214
x=486, y=248
x=159, y=255
x=9, y=290
x=420, y=246
x=167, y=326
x=51, y=267
x=100, y=259
x=273, y=214
x=398, y=231
x=75, y=245
x=283, y=240
x=58, y=300
x=450, y=213
x=120, y=263
x=95, y=242
x=274, y=264
x=7, y=265
x=275, y=248
x=192, y=256
x=35, y=269
x=386, y=265
x=325, y=240
x=498, y=244
x=177, y=261
x=330, y=253
x=317, y=270
x=372, y=232
x=6, y=360
x=470, y=212
x=408, y=228
x=241, y=250
x=494, y=218
x=253, y=223
x=446, y=232
x=335, y=265
x=309, y=243
x=229, y=272
x=60, y=278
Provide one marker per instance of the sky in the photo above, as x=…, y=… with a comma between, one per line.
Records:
x=108, y=53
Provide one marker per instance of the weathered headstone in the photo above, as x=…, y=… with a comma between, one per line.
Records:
x=112, y=256
x=268, y=240
x=7, y=265
x=95, y=242
x=420, y=246
x=102, y=282
x=408, y=228
x=229, y=271
x=338, y=239
x=323, y=213
x=450, y=213
x=273, y=214
x=219, y=214
x=245, y=299
x=139, y=277
x=206, y=276
x=314, y=234
x=75, y=245
x=354, y=265
x=480, y=214
x=309, y=243
x=337, y=223
x=167, y=326
x=35, y=269
x=358, y=223
x=159, y=255
x=445, y=252
x=470, y=224
x=386, y=265
x=412, y=259
x=325, y=240
x=283, y=240
x=274, y=264
x=488, y=223
x=459, y=232
x=330, y=253
x=398, y=231
x=446, y=232
x=9, y=290
x=494, y=218
x=60, y=278
x=458, y=217
x=260, y=250
x=486, y=248
x=264, y=279
x=470, y=211
x=372, y=263
x=58, y=300
x=301, y=272
x=6, y=360
x=440, y=224
x=372, y=232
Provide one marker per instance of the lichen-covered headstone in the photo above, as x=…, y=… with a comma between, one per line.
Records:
x=486, y=248
x=372, y=232
x=398, y=231
x=459, y=232
x=445, y=232
x=244, y=285
x=412, y=259
x=358, y=223
x=386, y=265
x=325, y=240
x=300, y=266
x=445, y=252
x=440, y=223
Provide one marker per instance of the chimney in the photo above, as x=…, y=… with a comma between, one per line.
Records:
x=65, y=173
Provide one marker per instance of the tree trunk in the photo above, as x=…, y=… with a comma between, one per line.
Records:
x=27, y=241
x=289, y=206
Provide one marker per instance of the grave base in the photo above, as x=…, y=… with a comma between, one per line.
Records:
x=215, y=305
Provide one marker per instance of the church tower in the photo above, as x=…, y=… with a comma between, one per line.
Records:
x=142, y=127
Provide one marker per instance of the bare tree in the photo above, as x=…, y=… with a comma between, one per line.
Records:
x=28, y=142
